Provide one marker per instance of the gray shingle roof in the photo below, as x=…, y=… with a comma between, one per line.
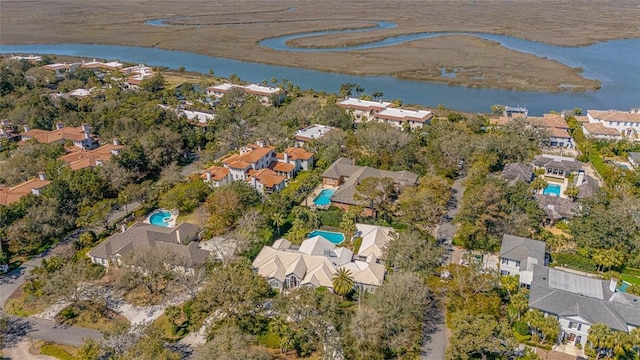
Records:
x=557, y=162
x=520, y=249
x=141, y=237
x=556, y=208
x=517, y=172
x=635, y=156
x=567, y=294
x=589, y=188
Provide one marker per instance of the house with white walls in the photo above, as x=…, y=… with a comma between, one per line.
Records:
x=626, y=123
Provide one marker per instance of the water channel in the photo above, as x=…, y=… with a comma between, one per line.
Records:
x=615, y=63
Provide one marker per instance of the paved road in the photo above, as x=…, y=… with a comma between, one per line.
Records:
x=12, y=281
x=434, y=343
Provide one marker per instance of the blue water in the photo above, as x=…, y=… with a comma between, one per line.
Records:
x=623, y=287
x=614, y=63
x=158, y=218
x=324, y=198
x=552, y=189
x=334, y=237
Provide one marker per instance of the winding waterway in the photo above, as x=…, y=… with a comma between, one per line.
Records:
x=615, y=63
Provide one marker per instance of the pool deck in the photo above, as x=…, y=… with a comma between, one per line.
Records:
x=312, y=196
x=172, y=219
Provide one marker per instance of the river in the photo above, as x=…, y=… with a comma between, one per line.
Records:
x=615, y=63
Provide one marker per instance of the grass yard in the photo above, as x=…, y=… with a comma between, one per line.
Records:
x=62, y=352
x=20, y=304
x=631, y=279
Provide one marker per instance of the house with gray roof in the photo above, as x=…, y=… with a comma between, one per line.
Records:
x=579, y=302
x=142, y=237
x=556, y=208
x=516, y=172
x=518, y=255
x=634, y=159
x=345, y=175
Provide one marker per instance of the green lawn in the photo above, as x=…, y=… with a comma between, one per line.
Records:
x=631, y=279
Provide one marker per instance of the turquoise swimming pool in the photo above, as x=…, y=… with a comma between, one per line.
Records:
x=334, y=237
x=324, y=198
x=552, y=189
x=160, y=218
x=623, y=287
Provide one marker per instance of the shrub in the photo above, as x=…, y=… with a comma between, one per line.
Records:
x=56, y=352
x=68, y=313
x=269, y=339
x=331, y=217
x=538, y=345
x=521, y=328
x=574, y=261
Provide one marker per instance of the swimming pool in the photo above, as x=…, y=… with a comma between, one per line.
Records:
x=623, y=287
x=334, y=237
x=160, y=218
x=552, y=189
x=324, y=198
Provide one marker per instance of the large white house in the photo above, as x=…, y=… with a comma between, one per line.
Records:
x=579, y=301
x=374, y=241
x=314, y=264
x=625, y=123
x=266, y=94
x=386, y=112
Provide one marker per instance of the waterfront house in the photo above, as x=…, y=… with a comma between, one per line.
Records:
x=403, y=118
x=556, y=128
x=626, y=123
x=314, y=264
x=363, y=110
x=266, y=94
x=578, y=302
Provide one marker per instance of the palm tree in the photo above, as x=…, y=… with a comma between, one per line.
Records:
x=599, y=341
x=538, y=183
x=278, y=220
x=572, y=192
x=342, y=281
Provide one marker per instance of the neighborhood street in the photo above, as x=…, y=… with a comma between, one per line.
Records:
x=435, y=335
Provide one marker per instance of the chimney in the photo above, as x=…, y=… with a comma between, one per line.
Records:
x=613, y=283
x=286, y=157
x=178, y=236
x=116, y=142
x=42, y=176
x=59, y=126
x=99, y=162
x=86, y=135
x=123, y=228
x=85, y=127
x=208, y=176
x=580, y=179
x=255, y=182
x=26, y=128
x=115, y=151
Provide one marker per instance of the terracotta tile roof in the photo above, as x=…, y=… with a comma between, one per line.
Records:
x=251, y=156
x=266, y=177
x=548, y=120
x=501, y=121
x=13, y=194
x=296, y=153
x=80, y=159
x=599, y=129
x=281, y=166
x=48, y=137
x=240, y=164
x=558, y=133
x=620, y=116
x=217, y=173
x=582, y=119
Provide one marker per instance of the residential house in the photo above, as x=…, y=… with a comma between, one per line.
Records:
x=216, y=176
x=374, y=241
x=564, y=172
x=60, y=70
x=634, y=159
x=363, y=110
x=344, y=175
x=598, y=131
x=137, y=74
x=403, y=118
x=578, y=302
x=515, y=112
x=141, y=237
x=516, y=172
x=556, y=128
x=518, y=256
x=80, y=159
x=80, y=136
x=266, y=94
x=314, y=264
x=13, y=194
x=626, y=123
x=30, y=58
x=264, y=169
x=556, y=208
x=6, y=132
x=311, y=133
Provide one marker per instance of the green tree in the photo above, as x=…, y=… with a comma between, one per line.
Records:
x=520, y=302
x=572, y=192
x=97, y=214
x=478, y=336
x=547, y=327
x=600, y=342
x=186, y=196
x=539, y=183
x=229, y=343
x=278, y=220
x=342, y=281
x=426, y=204
x=154, y=83
x=414, y=252
x=377, y=194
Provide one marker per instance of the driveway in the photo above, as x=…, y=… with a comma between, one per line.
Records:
x=20, y=351
x=434, y=343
